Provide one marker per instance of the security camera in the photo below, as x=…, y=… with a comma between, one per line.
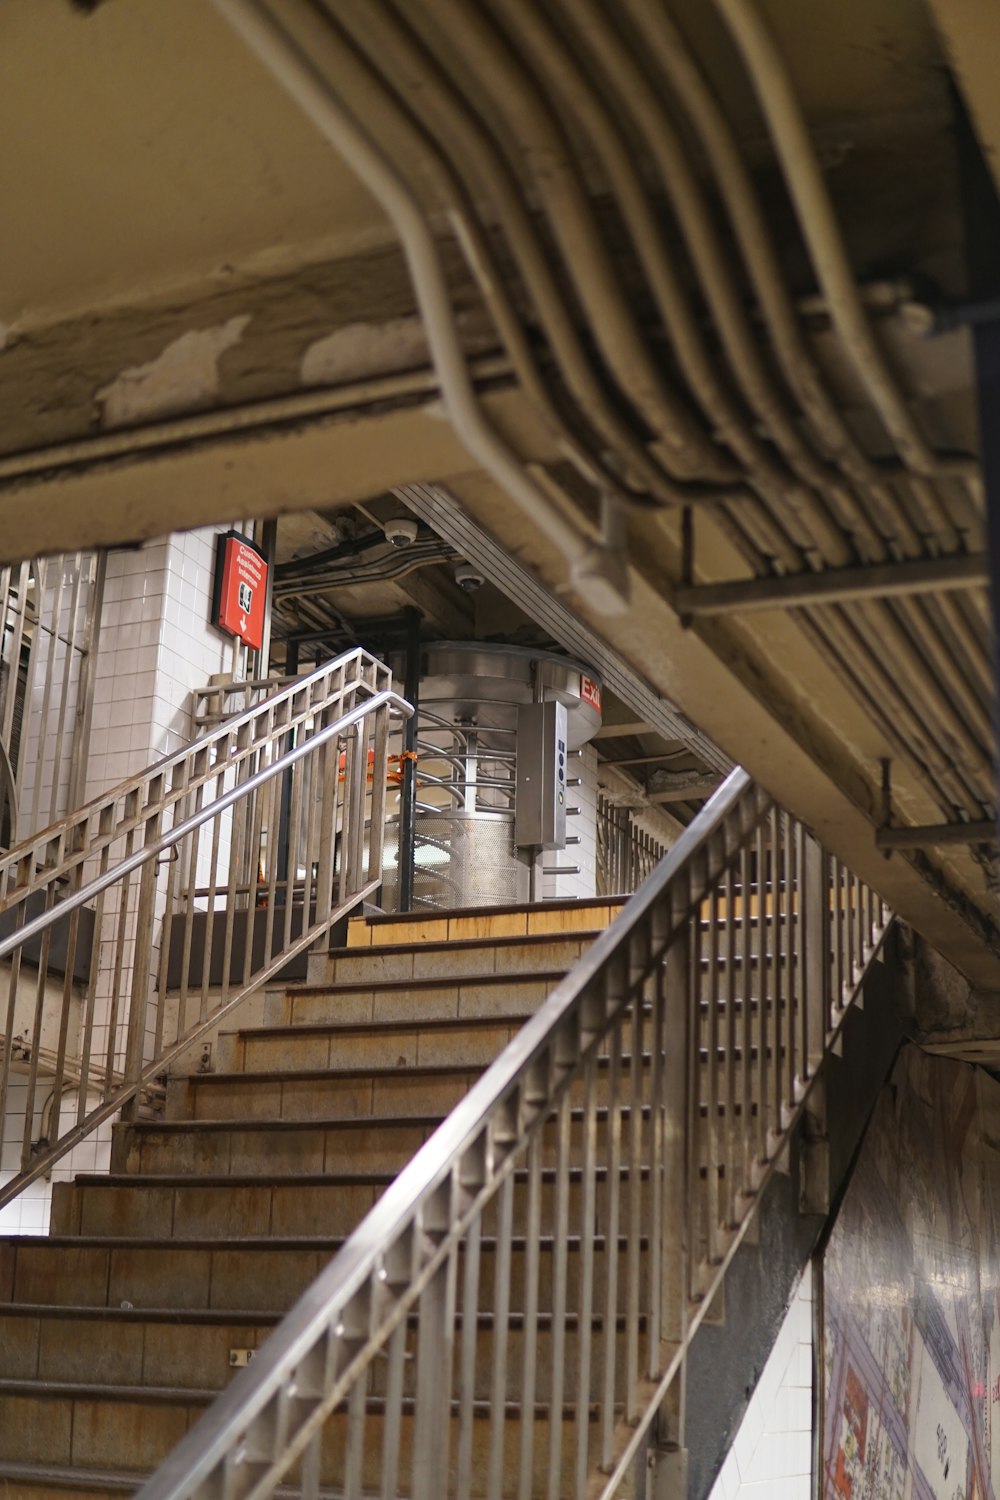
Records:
x=401, y=532
x=468, y=578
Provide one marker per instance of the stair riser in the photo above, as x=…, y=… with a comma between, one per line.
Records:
x=133, y=1435
x=188, y=1356
x=275, y=1153
x=138, y=1434
x=151, y=1276
x=442, y=1002
x=331, y=1097
x=407, y=1048
x=363, y=966
x=246, y=1279
x=181, y=1355
x=482, y=924
x=192, y=1211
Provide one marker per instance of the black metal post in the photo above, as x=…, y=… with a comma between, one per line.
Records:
x=408, y=786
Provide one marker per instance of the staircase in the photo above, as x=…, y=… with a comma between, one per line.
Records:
x=119, y=1328
x=567, y=1162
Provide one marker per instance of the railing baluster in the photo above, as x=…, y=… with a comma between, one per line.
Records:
x=529, y=1350
x=612, y=1222
x=588, y=1229
x=559, y=1282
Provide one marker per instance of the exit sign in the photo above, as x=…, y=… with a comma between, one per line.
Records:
x=240, y=589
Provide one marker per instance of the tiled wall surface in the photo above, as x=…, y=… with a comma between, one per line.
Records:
x=156, y=645
x=771, y=1458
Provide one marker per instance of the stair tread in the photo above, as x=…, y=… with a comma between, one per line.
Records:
x=99, y=1312
x=215, y=1180
x=467, y=945
x=366, y=1028
x=444, y=981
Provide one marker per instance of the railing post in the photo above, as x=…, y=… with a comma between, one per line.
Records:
x=814, y=1160
x=816, y=918
x=142, y=952
x=667, y=1460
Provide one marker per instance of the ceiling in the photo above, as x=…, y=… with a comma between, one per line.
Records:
x=719, y=311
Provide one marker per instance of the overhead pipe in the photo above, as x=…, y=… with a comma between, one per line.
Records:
x=293, y=68
x=463, y=137
x=499, y=70
x=797, y=154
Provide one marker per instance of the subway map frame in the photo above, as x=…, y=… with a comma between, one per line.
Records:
x=910, y=1315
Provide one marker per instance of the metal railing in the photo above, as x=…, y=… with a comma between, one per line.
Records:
x=626, y=852
x=132, y=927
x=605, y=1168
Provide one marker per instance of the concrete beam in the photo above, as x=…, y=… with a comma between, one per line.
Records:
x=834, y=585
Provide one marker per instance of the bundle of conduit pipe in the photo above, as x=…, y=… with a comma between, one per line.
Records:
x=674, y=371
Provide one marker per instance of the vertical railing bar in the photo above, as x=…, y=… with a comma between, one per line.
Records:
x=612, y=1229
x=633, y=1178
x=501, y=1335
x=529, y=1350
x=778, y=962
x=730, y=1134
x=36, y=1035
x=41, y=577
x=14, y=657
x=393, y=1412
x=750, y=1005
x=355, y=1443
x=57, y=753
x=559, y=1272
x=712, y=1156
x=588, y=1229
x=765, y=1027
x=219, y=775
x=467, y=1357
x=190, y=906
x=694, y=1135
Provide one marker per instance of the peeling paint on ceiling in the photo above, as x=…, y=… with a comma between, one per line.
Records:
x=360, y=350
x=185, y=375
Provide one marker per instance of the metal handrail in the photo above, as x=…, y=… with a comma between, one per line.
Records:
x=641, y=982
x=202, y=842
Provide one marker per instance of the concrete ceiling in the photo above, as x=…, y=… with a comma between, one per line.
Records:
x=204, y=316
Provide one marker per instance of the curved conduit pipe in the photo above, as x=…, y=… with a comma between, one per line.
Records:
x=462, y=135
x=960, y=719
x=663, y=42
x=800, y=491
x=820, y=230
x=267, y=38
x=501, y=72
x=557, y=67
x=474, y=243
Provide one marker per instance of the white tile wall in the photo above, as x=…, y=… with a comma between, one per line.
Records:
x=771, y=1458
x=156, y=645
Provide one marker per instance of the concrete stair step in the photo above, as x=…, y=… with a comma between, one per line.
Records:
x=233, y=1275
x=339, y=1047
x=197, y=1350
x=102, y=1429
x=218, y=1274
x=227, y=1276
x=258, y=1207
x=526, y=919
x=431, y=999
x=467, y=958
x=148, y=1347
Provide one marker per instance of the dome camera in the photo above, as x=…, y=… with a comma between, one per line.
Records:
x=468, y=578
x=401, y=532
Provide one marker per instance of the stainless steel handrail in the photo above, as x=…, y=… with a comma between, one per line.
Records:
x=122, y=968
x=742, y=881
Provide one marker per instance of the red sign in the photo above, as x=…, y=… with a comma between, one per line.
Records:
x=590, y=692
x=241, y=590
